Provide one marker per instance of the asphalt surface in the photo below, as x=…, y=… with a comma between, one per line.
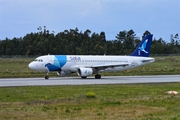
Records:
x=6, y=82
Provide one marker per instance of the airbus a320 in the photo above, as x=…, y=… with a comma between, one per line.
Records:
x=87, y=65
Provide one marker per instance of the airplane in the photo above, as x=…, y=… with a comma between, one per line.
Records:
x=87, y=65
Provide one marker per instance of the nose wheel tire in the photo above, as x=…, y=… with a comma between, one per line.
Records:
x=46, y=77
x=83, y=77
x=98, y=76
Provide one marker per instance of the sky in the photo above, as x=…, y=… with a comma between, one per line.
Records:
x=21, y=17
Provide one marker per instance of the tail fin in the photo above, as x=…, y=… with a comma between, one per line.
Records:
x=143, y=48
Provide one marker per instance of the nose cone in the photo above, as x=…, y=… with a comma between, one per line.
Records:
x=31, y=66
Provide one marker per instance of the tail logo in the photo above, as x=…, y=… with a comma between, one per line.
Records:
x=143, y=47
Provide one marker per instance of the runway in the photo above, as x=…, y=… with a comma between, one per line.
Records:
x=7, y=82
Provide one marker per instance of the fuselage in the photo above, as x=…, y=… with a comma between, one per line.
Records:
x=73, y=62
x=86, y=65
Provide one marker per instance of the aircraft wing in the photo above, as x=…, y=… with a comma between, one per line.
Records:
x=99, y=67
x=104, y=66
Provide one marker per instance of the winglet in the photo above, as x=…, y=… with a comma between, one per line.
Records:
x=143, y=48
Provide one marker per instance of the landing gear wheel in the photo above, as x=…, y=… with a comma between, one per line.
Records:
x=46, y=77
x=83, y=77
x=98, y=76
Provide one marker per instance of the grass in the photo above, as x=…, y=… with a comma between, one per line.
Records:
x=125, y=101
x=18, y=67
x=132, y=101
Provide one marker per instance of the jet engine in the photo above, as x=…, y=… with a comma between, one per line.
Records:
x=84, y=72
x=63, y=73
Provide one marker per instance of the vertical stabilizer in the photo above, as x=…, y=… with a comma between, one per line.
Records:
x=143, y=49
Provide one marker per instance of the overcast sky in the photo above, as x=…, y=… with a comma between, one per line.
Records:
x=160, y=17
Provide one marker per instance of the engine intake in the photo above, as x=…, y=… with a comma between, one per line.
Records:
x=84, y=72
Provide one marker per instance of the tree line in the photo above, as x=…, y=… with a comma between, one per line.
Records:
x=75, y=42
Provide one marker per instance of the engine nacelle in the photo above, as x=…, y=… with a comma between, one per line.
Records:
x=84, y=72
x=63, y=73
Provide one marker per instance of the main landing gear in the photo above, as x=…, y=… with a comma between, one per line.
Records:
x=98, y=76
x=47, y=76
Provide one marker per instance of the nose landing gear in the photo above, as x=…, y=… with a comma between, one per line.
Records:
x=47, y=76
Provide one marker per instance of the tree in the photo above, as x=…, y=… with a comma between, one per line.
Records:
x=145, y=33
x=126, y=39
x=74, y=42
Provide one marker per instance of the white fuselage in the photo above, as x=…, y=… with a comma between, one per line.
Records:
x=73, y=62
x=86, y=65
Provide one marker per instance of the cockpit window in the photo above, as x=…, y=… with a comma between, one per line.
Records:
x=38, y=60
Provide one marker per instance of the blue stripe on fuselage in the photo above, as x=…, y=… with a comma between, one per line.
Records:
x=59, y=62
